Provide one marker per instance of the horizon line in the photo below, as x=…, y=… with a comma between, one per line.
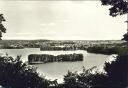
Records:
x=70, y=39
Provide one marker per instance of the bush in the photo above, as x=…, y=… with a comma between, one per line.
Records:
x=117, y=71
x=85, y=79
x=16, y=74
x=116, y=76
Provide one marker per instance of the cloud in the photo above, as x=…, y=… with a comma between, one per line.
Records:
x=52, y=24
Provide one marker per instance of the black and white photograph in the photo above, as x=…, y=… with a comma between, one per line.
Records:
x=63, y=43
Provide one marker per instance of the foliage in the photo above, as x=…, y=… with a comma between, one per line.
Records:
x=117, y=71
x=125, y=37
x=16, y=74
x=120, y=49
x=44, y=58
x=2, y=28
x=118, y=7
x=102, y=50
x=85, y=79
x=116, y=76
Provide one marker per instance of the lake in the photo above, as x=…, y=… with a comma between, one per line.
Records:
x=56, y=70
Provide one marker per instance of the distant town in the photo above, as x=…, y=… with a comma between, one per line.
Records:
x=58, y=44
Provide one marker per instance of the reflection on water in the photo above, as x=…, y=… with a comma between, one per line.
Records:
x=56, y=70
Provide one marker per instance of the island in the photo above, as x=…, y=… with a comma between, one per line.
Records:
x=45, y=58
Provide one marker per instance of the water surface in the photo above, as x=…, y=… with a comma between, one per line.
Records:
x=56, y=70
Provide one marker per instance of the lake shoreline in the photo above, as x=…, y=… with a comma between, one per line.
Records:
x=57, y=70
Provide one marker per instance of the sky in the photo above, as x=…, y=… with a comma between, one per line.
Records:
x=61, y=20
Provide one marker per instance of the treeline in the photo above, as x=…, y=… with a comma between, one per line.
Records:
x=44, y=58
x=55, y=48
x=120, y=49
x=12, y=47
x=102, y=50
x=6, y=44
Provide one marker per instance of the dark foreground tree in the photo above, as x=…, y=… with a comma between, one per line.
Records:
x=2, y=28
x=86, y=79
x=125, y=37
x=117, y=71
x=16, y=74
x=116, y=76
x=118, y=7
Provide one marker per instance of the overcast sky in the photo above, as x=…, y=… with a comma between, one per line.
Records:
x=77, y=20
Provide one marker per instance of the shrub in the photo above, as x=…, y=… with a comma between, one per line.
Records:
x=16, y=74
x=117, y=71
x=85, y=79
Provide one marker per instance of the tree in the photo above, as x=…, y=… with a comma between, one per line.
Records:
x=2, y=28
x=125, y=37
x=86, y=79
x=117, y=71
x=118, y=7
x=16, y=74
